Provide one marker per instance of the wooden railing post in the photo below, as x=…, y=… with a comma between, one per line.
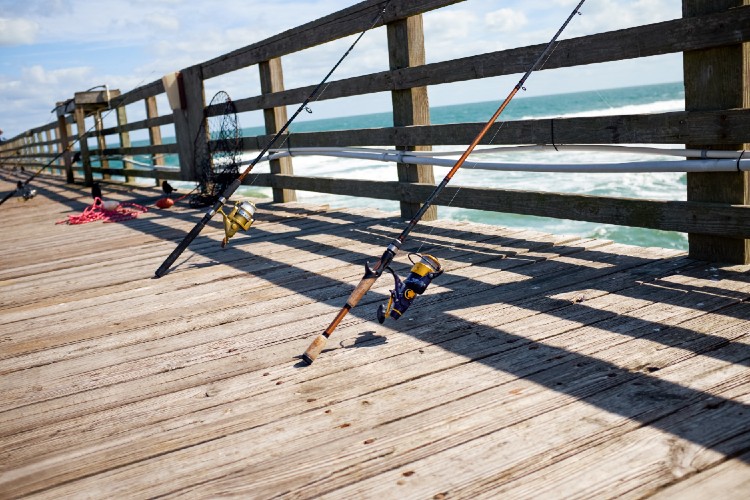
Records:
x=154, y=133
x=410, y=106
x=101, y=142
x=124, y=135
x=63, y=133
x=272, y=80
x=49, y=148
x=83, y=146
x=187, y=123
x=717, y=79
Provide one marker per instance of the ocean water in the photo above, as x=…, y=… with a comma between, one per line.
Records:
x=642, y=99
x=630, y=100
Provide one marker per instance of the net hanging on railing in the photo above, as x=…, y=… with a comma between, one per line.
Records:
x=218, y=151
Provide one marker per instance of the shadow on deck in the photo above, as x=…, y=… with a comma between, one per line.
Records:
x=536, y=365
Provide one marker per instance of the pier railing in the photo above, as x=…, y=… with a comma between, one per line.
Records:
x=713, y=37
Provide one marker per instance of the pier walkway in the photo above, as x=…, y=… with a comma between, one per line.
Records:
x=536, y=366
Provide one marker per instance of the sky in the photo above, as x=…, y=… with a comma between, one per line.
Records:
x=50, y=49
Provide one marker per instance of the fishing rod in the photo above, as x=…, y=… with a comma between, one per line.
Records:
x=428, y=268
x=67, y=148
x=241, y=214
x=35, y=174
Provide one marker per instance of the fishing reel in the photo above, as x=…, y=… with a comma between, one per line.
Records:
x=240, y=217
x=421, y=275
x=24, y=191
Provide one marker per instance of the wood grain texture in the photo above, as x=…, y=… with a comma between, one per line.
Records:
x=536, y=365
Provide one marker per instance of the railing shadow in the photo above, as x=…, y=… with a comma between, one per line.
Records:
x=636, y=393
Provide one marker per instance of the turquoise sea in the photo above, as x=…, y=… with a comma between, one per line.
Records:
x=630, y=100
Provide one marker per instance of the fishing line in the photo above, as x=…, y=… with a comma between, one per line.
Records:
x=325, y=83
x=76, y=140
x=247, y=209
x=427, y=267
x=500, y=125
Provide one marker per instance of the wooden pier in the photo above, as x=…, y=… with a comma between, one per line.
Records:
x=537, y=366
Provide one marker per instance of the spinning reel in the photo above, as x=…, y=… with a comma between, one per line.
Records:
x=421, y=275
x=24, y=191
x=240, y=217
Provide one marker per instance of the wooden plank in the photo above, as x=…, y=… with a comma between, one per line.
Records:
x=189, y=122
x=680, y=216
x=83, y=147
x=717, y=78
x=64, y=133
x=643, y=41
x=153, y=121
x=718, y=127
x=729, y=479
x=345, y=22
x=410, y=106
x=272, y=80
x=385, y=434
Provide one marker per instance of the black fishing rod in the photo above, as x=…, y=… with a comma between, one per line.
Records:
x=35, y=174
x=241, y=214
x=67, y=148
x=429, y=263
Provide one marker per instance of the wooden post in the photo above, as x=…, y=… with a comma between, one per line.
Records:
x=410, y=106
x=154, y=133
x=83, y=146
x=63, y=133
x=122, y=120
x=101, y=142
x=49, y=149
x=717, y=79
x=272, y=80
x=187, y=124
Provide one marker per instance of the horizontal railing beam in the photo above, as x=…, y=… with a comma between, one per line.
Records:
x=686, y=217
x=678, y=127
x=349, y=21
x=643, y=41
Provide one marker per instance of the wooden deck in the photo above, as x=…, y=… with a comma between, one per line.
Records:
x=537, y=366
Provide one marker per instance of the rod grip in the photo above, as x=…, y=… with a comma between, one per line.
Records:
x=319, y=343
x=315, y=348
x=183, y=245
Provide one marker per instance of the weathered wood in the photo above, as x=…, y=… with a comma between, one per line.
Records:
x=718, y=78
x=154, y=133
x=124, y=136
x=141, y=124
x=650, y=40
x=272, y=80
x=718, y=127
x=139, y=150
x=64, y=133
x=410, y=106
x=101, y=142
x=343, y=23
x=697, y=217
x=189, y=122
x=83, y=146
x=608, y=350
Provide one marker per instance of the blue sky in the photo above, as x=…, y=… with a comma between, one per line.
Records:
x=44, y=58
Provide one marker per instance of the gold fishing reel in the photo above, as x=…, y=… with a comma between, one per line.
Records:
x=240, y=217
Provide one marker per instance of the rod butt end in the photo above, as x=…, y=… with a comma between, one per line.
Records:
x=315, y=348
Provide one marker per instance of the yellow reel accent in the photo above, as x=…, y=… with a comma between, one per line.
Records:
x=426, y=264
x=240, y=217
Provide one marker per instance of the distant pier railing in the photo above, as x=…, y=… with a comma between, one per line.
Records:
x=712, y=36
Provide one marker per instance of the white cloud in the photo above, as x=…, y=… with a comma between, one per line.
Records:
x=505, y=20
x=17, y=31
x=133, y=42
